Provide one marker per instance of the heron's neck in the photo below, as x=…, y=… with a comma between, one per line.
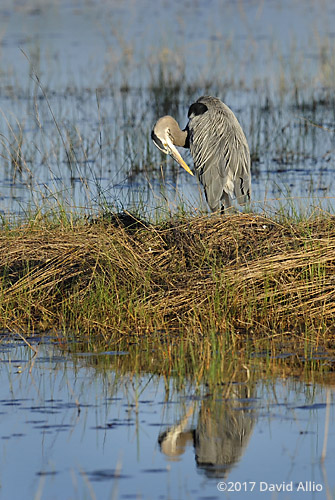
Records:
x=179, y=136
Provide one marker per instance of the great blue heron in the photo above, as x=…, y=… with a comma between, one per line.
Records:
x=218, y=146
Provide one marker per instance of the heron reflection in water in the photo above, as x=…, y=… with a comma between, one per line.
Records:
x=221, y=434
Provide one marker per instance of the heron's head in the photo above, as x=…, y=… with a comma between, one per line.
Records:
x=165, y=134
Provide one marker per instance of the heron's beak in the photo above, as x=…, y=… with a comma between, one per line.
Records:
x=176, y=156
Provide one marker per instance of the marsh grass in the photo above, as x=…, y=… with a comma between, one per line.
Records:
x=211, y=363
x=221, y=281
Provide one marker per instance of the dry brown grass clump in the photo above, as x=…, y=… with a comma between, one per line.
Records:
x=242, y=273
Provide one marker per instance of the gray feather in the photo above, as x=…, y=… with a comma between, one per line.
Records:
x=220, y=153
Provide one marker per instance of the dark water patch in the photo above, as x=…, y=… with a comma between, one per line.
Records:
x=168, y=403
x=55, y=426
x=106, y=427
x=47, y=473
x=120, y=423
x=131, y=496
x=248, y=400
x=14, y=361
x=315, y=406
x=14, y=435
x=41, y=409
x=12, y=403
x=106, y=475
x=153, y=471
x=58, y=406
x=35, y=422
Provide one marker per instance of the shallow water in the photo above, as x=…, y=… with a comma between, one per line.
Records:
x=80, y=135
x=70, y=429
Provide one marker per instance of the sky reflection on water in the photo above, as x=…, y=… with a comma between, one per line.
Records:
x=69, y=430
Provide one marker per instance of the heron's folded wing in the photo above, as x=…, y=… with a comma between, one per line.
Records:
x=220, y=151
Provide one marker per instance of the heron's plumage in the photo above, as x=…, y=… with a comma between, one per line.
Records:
x=218, y=146
x=220, y=152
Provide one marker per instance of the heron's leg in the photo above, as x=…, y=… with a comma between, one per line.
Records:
x=226, y=202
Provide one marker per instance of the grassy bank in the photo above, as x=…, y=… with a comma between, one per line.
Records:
x=120, y=277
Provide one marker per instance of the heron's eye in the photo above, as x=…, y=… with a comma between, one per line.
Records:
x=158, y=143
